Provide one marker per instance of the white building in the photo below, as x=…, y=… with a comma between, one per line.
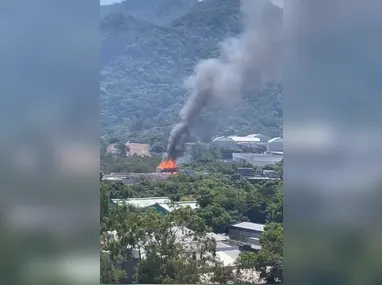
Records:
x=225, y=142
x=262, y=138
x=245, y=140
x=275, y=145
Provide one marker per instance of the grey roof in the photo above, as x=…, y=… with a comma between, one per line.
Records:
x=112, y=179
x=249, y=226
x=223, y=246
x=257, y=159
x=169, y=207
x=258, y=178
x=141, y=202
x=228, y=257
x=234, y=254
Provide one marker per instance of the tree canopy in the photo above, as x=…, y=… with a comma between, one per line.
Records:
x=145, y=56
x=223, y=198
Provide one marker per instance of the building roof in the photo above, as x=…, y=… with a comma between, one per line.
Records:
x=169, y=207
x=277, y=152
x=223, y=139
x=258, y=178
x=250, y=226
x=141, y=202
x=258, y=159
x=278, y=139
x=138, y=149
x=112, y=179
x=111, y=148
x=245, y=139
x=228, y=257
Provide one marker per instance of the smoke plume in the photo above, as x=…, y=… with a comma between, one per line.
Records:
x=246, y=61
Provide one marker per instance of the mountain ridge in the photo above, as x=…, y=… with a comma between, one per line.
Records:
x=143, y=66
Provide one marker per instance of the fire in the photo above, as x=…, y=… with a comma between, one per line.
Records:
x=167, y=164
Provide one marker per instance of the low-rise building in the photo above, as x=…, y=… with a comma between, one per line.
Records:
x=275, y=145
x=262, y=138
x=245, y=232
x=258, y=160
x=138, y=149
x=271, y=173
x=162, y=205
x=111, y=148
x=246, y=171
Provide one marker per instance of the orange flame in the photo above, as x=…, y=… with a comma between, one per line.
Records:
x=167, y=164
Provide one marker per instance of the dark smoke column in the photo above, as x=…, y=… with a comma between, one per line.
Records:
x=249, y=59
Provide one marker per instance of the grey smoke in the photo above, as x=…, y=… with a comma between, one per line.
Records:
x=246, y=61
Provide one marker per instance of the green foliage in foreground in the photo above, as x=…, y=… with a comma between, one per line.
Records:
x=224, y=199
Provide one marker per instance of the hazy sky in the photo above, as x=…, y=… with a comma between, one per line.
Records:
x=105, y=2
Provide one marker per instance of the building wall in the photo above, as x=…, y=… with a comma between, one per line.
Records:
x=225, y=143
x=243, y=235
x=258, y=160
x=276, y=145
x=138, y=149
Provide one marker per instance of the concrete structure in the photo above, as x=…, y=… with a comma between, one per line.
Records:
x=257, y=159
x=111, y=148
x=245, y=140
x=164, y=208
x=245, y=232
x=112, y=179
x=245, y=171
x=271, y=173
x=162, y=205
x=275, y=145
x=263, y=138
x=225, y=142
x=141, y=203
x=138, y=149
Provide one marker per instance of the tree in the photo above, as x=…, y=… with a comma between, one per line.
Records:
x=122, y=149
x=104, y=199
x=173, y=253
x=165, y=254
x=246, y=263
x=114, y=140
x=269, y=261
x=222, y=274
x=109, y=273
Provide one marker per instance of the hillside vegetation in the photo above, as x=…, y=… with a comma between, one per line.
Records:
x=145, y=56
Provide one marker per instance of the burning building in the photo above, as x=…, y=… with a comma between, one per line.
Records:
x=167, y=166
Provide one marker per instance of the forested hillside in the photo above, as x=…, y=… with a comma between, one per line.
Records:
x=145, y=57
x=161, y=12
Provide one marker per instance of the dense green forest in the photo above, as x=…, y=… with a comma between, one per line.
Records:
x=224, y=198
x=145, y=56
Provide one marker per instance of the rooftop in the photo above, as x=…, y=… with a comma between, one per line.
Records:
x=112, y=179
x=176, y=205
x=278, y=139
x=141, y=202
x=221, y=246
x=245, y=139
x=249, y=226
x=228, y=257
